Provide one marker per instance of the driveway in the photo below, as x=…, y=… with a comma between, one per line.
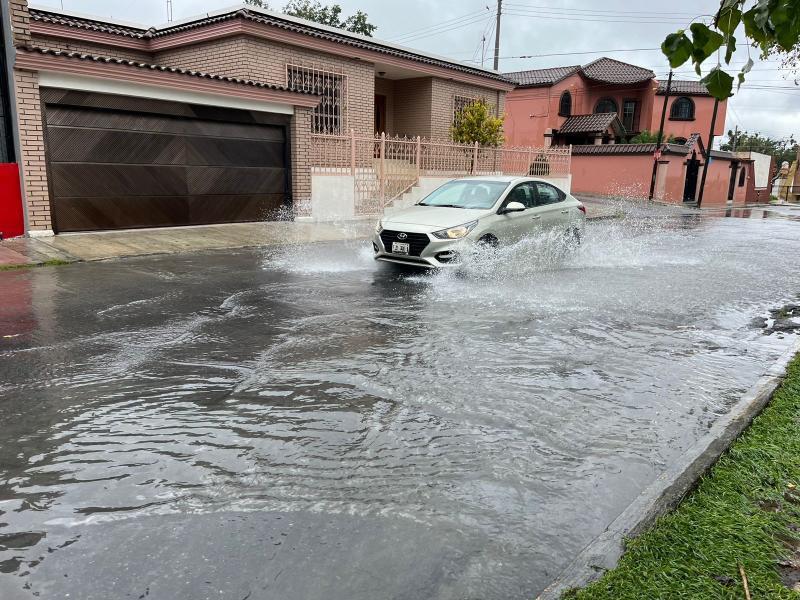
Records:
x=299, y=423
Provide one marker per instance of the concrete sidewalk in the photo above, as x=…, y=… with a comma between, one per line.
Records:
x=76, y=247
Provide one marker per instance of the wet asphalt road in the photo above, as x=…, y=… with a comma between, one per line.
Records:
x=301, y=423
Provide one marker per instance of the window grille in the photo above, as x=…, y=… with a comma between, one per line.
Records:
x=606, y=105
x=565, y=105
x=682, y=109
x=328, y=116
x=459, y=104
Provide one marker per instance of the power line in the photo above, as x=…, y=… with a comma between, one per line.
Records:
x=420, y=36
x=592, y=10
x=440, y=24
x=588, y=19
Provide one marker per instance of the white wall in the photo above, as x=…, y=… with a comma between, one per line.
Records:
x=761, y=169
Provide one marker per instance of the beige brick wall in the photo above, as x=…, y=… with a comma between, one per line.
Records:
x=444, y=92
x=18, y=10
x=88, y=48
x=32, y=142
x=300, y=132
x=413, y=99
x=266, y=61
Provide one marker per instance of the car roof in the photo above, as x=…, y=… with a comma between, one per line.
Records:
x=501, y=178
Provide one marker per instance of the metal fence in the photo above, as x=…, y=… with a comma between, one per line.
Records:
x=384, y=168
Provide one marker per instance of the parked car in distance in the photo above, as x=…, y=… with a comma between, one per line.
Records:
x=475, y=210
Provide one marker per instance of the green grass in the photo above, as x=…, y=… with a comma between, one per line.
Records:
x=746, y=511
x=49, y=263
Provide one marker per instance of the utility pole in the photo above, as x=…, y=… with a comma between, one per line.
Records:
x=708, y=154
x=169, y=11
x=497, y=36
x=735, y=137
x=660, y=136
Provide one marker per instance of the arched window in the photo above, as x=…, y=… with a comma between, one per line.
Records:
x=682, y=109
x=680, y=140
x=742, y=175
x=565, y=105
x=606, y=105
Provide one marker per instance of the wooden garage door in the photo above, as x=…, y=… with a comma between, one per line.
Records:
x=118, y=163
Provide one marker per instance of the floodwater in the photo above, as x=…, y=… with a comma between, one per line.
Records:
x=301, y=423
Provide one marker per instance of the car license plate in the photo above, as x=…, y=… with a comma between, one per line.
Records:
x=400, y=248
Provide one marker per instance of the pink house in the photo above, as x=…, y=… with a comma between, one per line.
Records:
x=605, y=101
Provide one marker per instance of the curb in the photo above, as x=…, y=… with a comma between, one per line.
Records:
x=667, y=491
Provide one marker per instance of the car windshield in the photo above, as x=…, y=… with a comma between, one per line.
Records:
x=466, y=193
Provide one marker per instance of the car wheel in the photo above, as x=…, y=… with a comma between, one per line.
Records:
x=488, y=241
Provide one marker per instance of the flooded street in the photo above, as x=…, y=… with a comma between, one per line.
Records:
x=300, y=423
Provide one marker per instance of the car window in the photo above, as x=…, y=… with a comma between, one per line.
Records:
x=524, y=194
x=547, y=194
x=466, y=193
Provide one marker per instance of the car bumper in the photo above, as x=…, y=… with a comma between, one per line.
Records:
x=437, y=254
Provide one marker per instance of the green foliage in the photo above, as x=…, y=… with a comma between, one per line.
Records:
x=650, y=137
x=744, y=511
x=784, y=149
x=331, y=15
x=771, y=25
x=475, y=124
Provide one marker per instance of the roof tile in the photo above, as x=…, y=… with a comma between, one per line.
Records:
x=590, y=123
x=541, y=77
x=683, y=87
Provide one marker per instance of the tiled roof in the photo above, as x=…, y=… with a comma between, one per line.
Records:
x=683, y=87
x=594, y=123
x=153, y=67
x=86, y=23
x=268, y=18
x=541, y=77
x=608, y=70
x=604, y=70
x=628, y=149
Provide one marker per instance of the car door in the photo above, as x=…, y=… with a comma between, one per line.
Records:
x=551, y=207
x=512, y=227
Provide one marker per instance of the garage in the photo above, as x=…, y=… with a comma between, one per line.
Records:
x=117, y=162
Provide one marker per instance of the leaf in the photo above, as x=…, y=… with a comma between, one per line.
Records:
x=728, y=19
x=704, y=41
x=730, y=49
x=745, y=70
x=752, y=29
x=718, y=83
x=677, y=47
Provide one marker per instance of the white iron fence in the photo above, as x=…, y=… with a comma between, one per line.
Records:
x=384, y=168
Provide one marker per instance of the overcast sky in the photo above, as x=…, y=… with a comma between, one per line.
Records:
x=531, y=27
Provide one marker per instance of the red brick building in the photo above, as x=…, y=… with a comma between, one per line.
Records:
x=207, y=120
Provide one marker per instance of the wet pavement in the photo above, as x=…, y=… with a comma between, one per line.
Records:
x=300, y=423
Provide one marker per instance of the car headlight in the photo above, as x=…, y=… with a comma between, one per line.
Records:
x=379, y=227
x=456, y=233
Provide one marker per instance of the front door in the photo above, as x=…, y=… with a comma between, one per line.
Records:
x=732, y=183
x=692, y=170
x=380, y=113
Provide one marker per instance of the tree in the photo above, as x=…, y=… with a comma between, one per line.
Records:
x=474, y=123
x=648, y=137
x=783, y=150
x=313, y=10
x=772, y=26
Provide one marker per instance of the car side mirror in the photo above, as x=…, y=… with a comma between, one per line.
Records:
x=512, y=207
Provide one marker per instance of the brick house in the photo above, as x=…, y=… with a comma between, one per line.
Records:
x=207, y=120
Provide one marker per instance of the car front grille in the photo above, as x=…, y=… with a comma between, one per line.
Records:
x=417, y=242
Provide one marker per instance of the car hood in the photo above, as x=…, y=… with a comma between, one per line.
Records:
x=435, y=217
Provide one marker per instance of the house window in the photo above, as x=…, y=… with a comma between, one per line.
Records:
x=742, y=176
x=565, y=105
x=682, y=109
x=328, y=116
x=629, y=115
x=606, y=105
x=459, y=104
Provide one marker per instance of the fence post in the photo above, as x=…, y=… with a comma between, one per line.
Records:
x=353, y=152
x=569, y=161
x=529, y=167
x=419, y=155
x=475, y=158
x=382, y=169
